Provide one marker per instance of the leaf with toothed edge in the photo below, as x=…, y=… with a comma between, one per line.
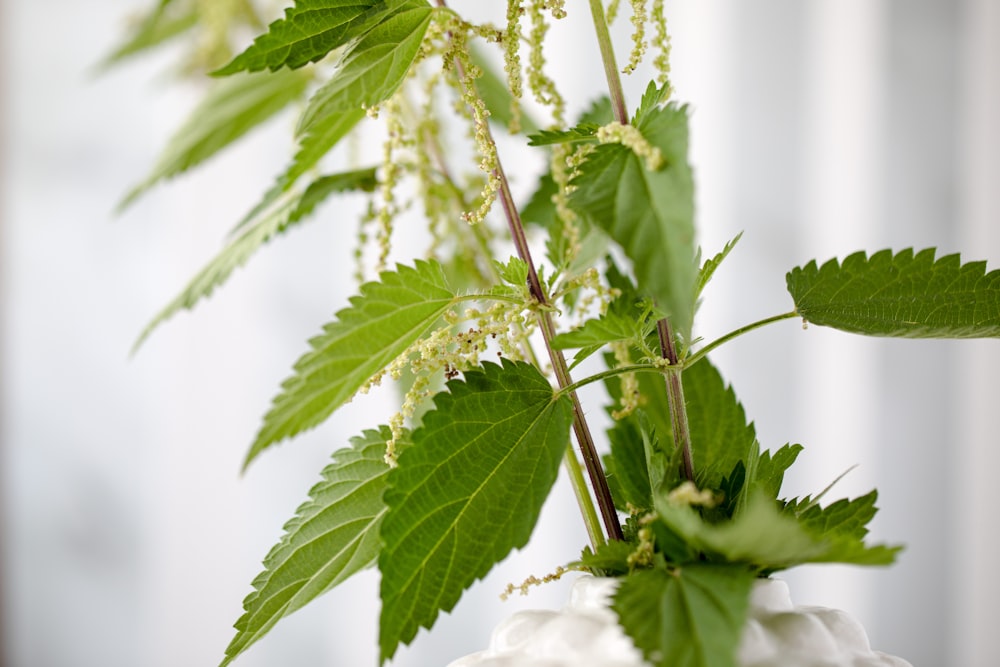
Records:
x=308, y=31
x=231, y=109
x=692, y=616
x=332, y=536
x=374, y=68
x=649, y=213
x=467, y=492
x=381, y=323
x=907, y=294
x=275, y=215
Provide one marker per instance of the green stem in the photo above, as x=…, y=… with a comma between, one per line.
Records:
x=675, y=398
x=610, y=373
x=675, y=389
x=703, y=352
x=579, y=484
x=610, y=65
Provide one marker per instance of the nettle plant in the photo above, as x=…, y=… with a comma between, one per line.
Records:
x=685, y=507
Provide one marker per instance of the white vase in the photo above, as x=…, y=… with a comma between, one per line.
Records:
x=586, y=634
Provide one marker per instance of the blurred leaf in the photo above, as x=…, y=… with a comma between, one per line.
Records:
x=164, y=22
x=231, y=108
x=274, y=216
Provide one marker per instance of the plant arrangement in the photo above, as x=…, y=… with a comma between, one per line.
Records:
x=684, y=506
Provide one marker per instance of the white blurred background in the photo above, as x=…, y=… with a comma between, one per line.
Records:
x=128, y=537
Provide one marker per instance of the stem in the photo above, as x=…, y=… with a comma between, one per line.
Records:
x=610, y=66
x=675, y=397
x=675, y=389
x=579, y=484
x=583, y=436
x=612, y=372
x=591, y=459
x=703, y=352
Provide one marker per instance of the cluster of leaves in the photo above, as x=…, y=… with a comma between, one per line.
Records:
x=436, y=505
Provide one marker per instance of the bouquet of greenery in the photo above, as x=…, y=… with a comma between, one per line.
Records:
x=684, y=505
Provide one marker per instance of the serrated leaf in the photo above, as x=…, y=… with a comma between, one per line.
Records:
x=650, y=214
x=332, y=536
x=380, y=324
x=611, y=558
x=846, y=517
x=905, y=295
x=467, y=492
x=709, y=267
x=760, y=536
x=627, y=467
x=160, y=25
x=374, y=68
x=720, y=433
x=771, y=469
x=652, y=98
x=514, y=272
x=767, y=538
x=584, y=132
x=275, y=215
x=307, y=33
x=689, y=617
x=607, y=328
x=232, y=108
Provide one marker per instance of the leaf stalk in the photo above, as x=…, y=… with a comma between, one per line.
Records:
x=736, y=333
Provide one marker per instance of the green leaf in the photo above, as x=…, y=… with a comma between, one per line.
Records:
x=375, y=67
x=720, y=433
x=317, y=142
x=380, y=324
x=275, y=215
x=540, y=210
x=771, y=469
x=709, y=267
x=611, y=558
x=514, y=272
x=158, y=26
x=307, y=33
x=627, y=466
x=232, y=108
x=584, y=132
x=769, y=539
x=332, y=536
x=907, y=295
x=467, y=492
x=649, y=213
x=692, y=616
x=607, y=328
x=761, y=536
x=844, y=517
